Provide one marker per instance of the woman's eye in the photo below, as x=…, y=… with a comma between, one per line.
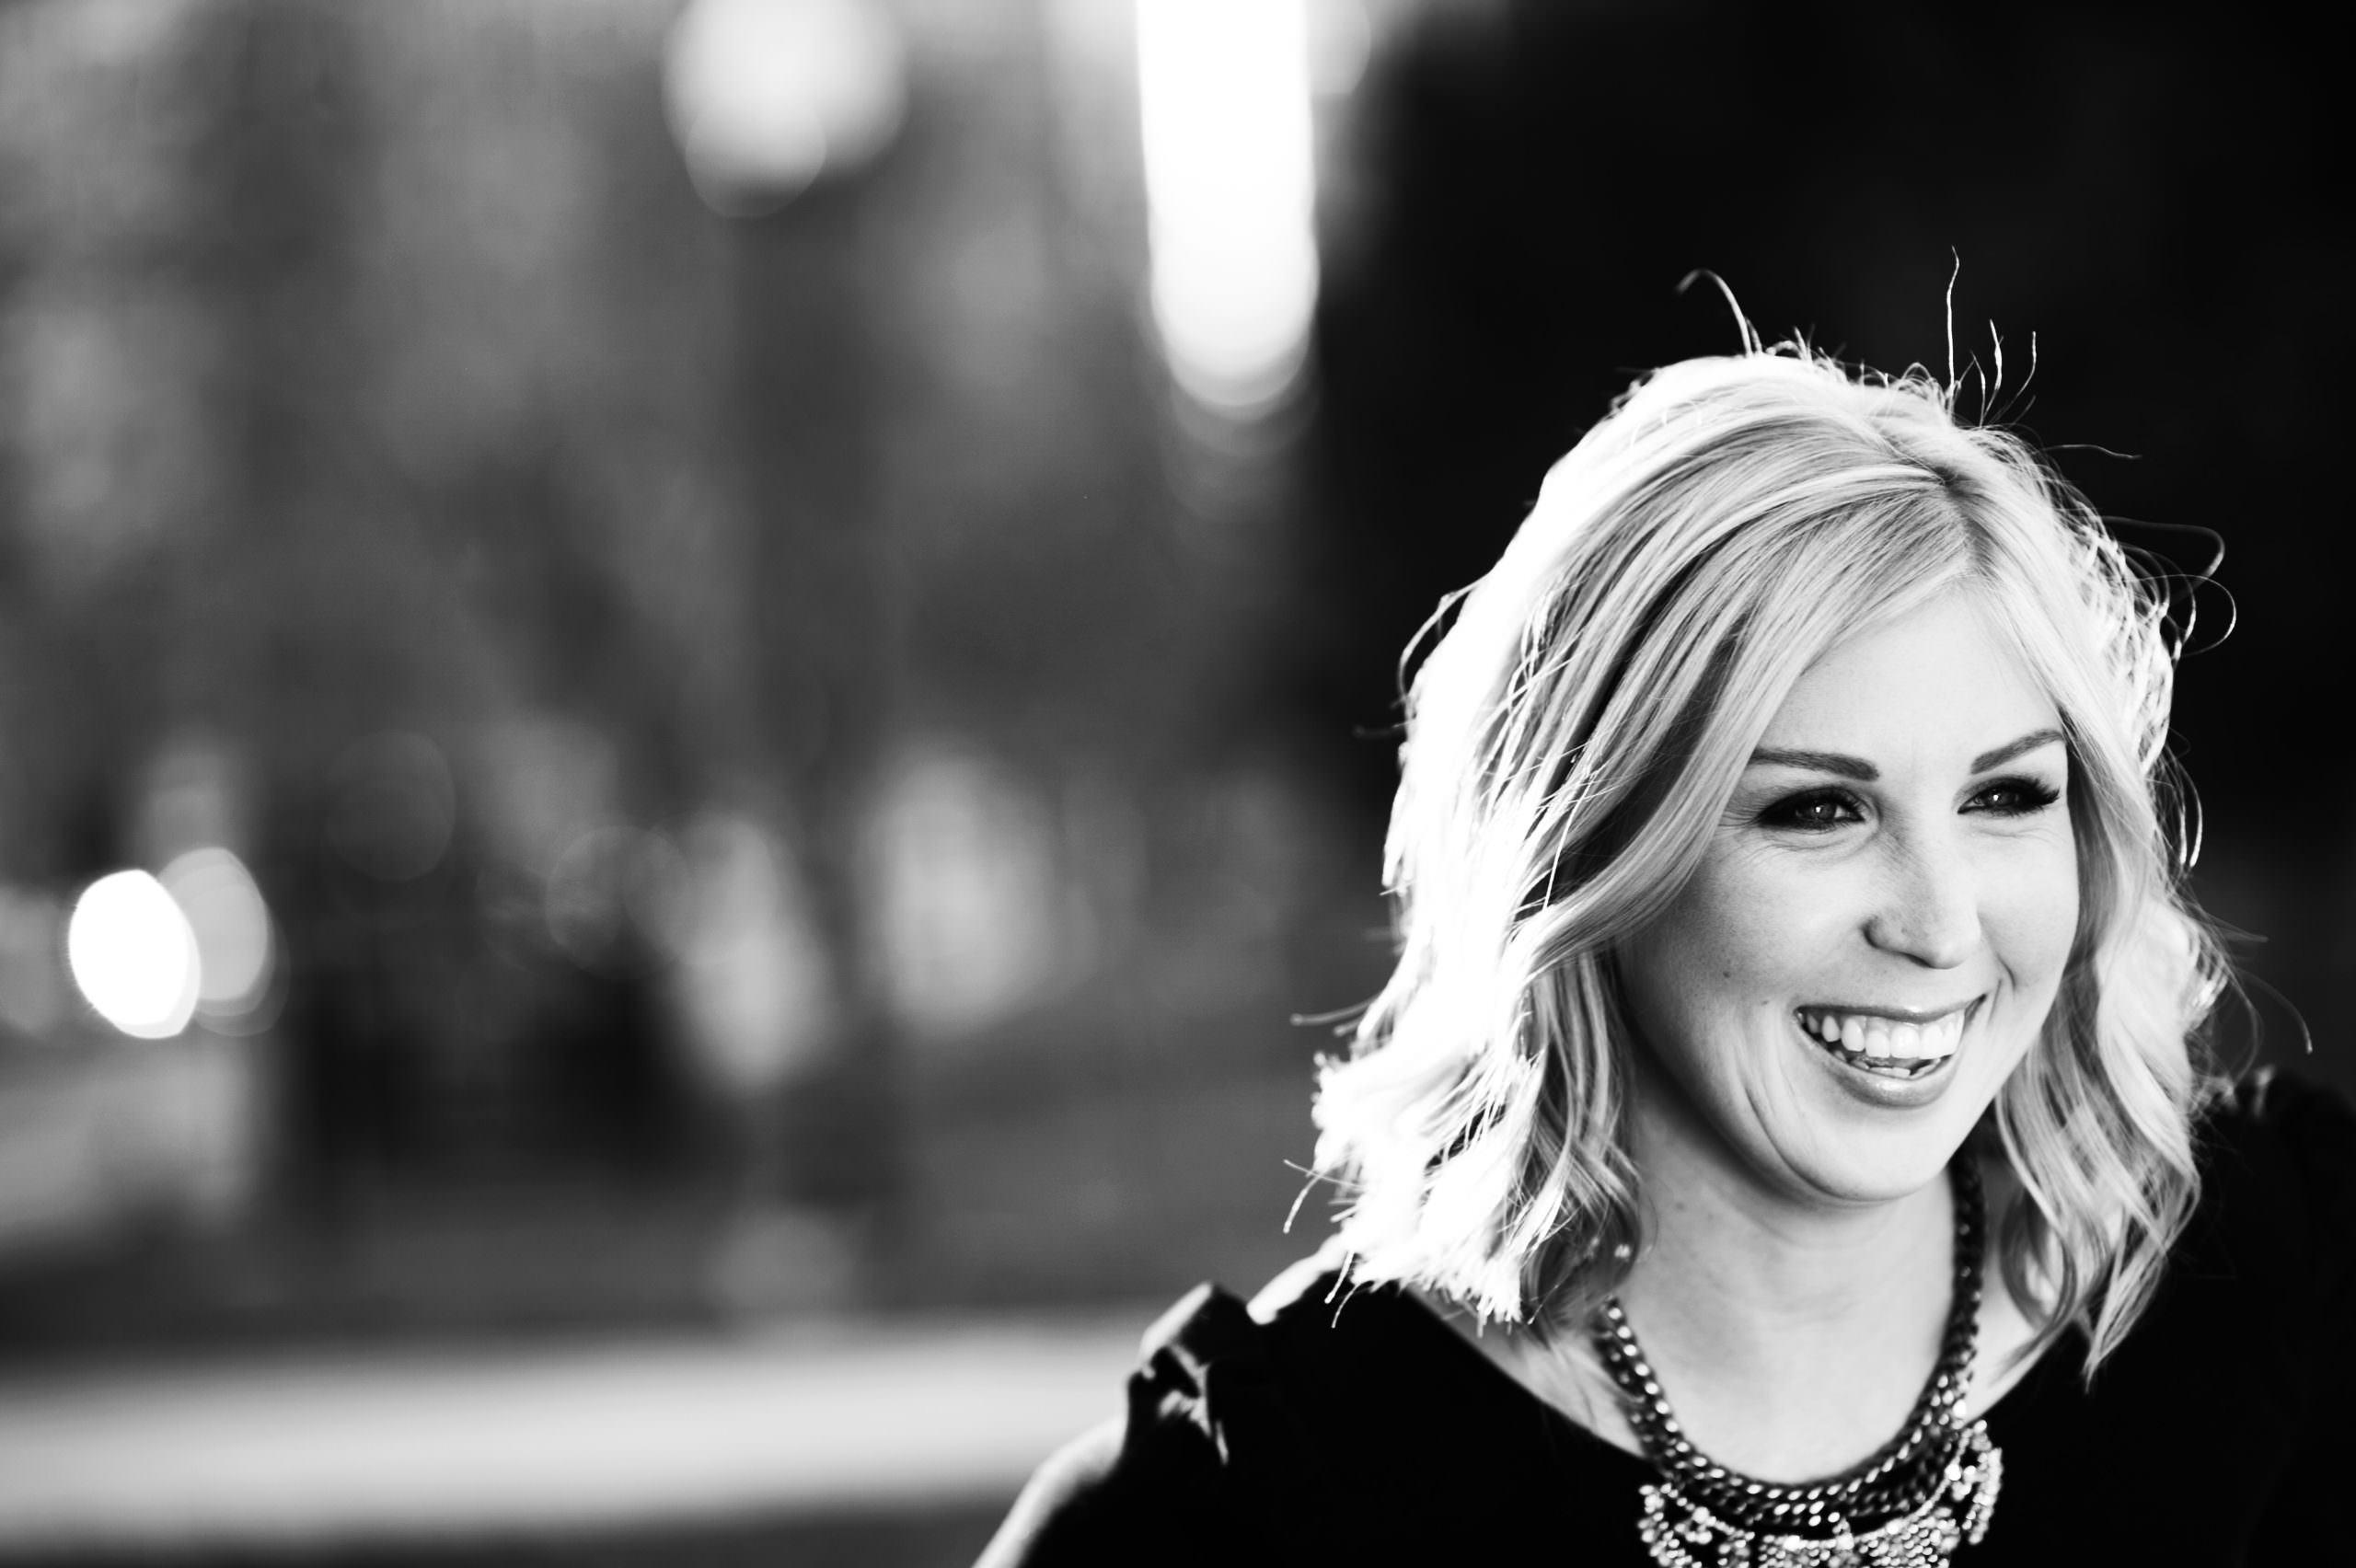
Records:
x=1816, y=811
x=2015, y=797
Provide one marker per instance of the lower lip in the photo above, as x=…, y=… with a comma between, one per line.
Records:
x=1881, y=1088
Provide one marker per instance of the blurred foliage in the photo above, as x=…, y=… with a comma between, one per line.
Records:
x=751, y=731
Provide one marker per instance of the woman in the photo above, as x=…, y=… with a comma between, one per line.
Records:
x=1788, y=1135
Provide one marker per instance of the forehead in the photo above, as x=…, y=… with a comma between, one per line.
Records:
x=1946, y=675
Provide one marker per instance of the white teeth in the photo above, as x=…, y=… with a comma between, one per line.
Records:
x=1872, y=1035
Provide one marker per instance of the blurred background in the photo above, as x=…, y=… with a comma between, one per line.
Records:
x=690, y=692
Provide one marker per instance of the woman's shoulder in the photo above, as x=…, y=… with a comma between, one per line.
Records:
x=1222, y=1440
x=2270, y=1247
x=2278, y=1159
x=2250, y=1348
x=1323, y=1412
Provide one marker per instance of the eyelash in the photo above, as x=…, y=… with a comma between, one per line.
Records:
x=2035, y=796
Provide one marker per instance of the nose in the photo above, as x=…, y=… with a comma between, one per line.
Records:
x=1927, y=909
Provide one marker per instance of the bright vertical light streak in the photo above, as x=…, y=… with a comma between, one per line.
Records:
x=1223, y=89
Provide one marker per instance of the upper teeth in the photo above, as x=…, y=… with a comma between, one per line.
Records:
x=1877, y=1036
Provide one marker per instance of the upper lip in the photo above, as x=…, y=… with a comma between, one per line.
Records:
x=1896, y=1015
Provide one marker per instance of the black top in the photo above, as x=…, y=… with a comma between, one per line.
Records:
x=1352, y=1425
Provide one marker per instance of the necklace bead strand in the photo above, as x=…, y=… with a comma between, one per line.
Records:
x=1913, y=1502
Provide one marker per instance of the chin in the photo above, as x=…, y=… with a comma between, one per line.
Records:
x=1865, y=1178
x=1877, y=1161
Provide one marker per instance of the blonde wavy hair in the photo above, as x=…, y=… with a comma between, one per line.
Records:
x=1577, y=732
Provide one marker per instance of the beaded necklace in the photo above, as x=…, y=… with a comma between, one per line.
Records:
x=1925, y=1492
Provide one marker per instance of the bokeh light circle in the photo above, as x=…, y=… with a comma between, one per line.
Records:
x=130, y=950
x=236, y=948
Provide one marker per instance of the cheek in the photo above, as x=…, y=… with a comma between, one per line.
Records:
x=2037, y=921
x=1756, y=925
x=1735, y=933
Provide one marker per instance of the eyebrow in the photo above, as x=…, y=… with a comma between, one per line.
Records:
x=1864, y=772
x=2012, y=749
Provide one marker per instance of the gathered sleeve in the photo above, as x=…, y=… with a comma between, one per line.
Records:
x=1196, y=1472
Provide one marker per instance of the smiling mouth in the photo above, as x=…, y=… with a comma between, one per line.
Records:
x=1883, y=1046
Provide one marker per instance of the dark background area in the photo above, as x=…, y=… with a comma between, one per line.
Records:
x=797, y=776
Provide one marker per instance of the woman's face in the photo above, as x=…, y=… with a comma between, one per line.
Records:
x=1878, y=926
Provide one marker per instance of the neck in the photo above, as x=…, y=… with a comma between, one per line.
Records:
x=1762, y=1265
x=1793, y=1334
